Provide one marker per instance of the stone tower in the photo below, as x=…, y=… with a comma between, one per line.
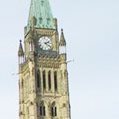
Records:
x=43, y=77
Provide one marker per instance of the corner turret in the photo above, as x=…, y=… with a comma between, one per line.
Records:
x=62, y=43
x=21, y=53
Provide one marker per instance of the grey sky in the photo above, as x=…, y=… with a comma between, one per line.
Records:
x=92, y=32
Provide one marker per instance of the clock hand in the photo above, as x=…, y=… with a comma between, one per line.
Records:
x=47, y=42
x=49, y=45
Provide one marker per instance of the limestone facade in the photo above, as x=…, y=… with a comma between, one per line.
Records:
x=43, y=76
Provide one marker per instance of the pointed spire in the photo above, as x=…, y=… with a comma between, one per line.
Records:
x=62, y=39
x=40, y=15
x=20, y=51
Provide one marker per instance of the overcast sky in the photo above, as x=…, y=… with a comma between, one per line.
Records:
x=91, y=29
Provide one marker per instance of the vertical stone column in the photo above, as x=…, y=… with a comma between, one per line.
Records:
x=21, y=97
x=32, y=97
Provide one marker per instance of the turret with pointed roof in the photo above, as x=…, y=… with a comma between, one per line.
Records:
x=21, y=53
x=62, y=39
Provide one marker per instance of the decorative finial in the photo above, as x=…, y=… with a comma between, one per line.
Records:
x=20, y=41
x=20, y=51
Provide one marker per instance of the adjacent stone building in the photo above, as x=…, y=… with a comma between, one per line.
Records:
x=43, y=77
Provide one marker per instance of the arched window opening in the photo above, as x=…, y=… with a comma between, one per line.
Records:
x=38, y=79
x=41, y=113
x=44, y=80
x=49, y=80
x=42, y=110
x=55, y=81
x=53, y=110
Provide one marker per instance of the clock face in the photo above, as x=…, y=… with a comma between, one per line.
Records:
x=45, y=43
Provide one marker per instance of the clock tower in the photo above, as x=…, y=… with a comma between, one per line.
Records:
x=43, y=76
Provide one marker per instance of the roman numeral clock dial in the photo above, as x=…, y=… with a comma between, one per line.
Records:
x=45, y=43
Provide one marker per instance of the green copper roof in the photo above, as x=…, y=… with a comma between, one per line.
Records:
x=40, y=15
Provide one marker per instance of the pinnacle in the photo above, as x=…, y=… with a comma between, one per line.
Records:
x=62, y=39
x=20, y=52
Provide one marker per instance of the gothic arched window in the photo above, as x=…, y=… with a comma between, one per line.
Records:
x=55, y=81
x=42, y=110
x=53, y=110
x=38, y=79
x=49, y=80
x=44, y=80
